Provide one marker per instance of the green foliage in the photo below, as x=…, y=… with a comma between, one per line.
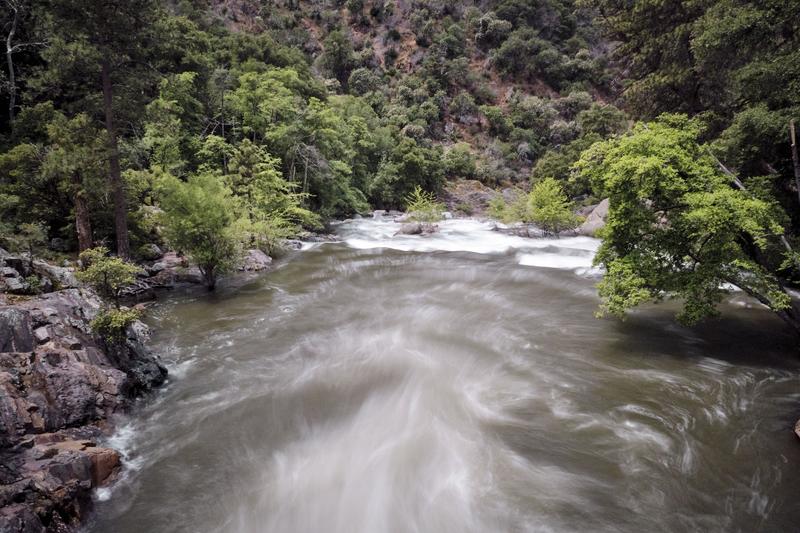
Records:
x=202, y=218
x=408, y=166
x=112, y=324
x=459, y=161
x=549, y=207
x=337, y=57
x=676, y=226
x=518, y=209
x=422, y=206
x=28, y=238
x=105, y=274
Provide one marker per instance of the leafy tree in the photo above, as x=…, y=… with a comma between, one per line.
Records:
x=549, y=207
x=337, y=57
x=201, y=218
x=459, y=161
x=107, y=275
x=677, y=226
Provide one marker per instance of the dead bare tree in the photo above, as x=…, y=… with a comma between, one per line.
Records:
x=16, y=10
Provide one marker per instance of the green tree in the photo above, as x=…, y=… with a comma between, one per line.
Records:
x=549, y=207
x=112, y=35
x=337, y=57
x=677, y=226
x=201, y=218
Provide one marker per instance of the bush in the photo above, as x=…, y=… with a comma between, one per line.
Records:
x=423, y=207
x=549, y=207
x=107, y=275
x=112, y=325
x=517, y=210
x=459, y=161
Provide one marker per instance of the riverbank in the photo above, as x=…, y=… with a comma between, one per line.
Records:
x=60, y=389
x=62, y=386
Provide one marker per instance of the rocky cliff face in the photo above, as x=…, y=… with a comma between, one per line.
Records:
x=60, y=387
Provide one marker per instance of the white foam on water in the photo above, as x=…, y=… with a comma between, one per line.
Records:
x=473, y=236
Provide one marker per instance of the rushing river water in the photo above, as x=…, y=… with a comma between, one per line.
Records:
x=456, y=383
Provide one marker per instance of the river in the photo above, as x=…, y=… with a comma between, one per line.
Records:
x=458, y=383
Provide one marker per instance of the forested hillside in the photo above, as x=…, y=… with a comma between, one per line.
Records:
x=222, y=123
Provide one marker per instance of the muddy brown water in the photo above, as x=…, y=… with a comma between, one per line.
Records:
x=456, y=383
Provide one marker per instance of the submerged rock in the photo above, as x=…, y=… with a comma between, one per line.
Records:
x=417, y=228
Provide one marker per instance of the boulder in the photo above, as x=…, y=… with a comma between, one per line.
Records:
x=61, y=277
x=16, y=331
x=292, y=244
x=8, y=272
x=255, y=261
x=14, y=285
x=150, y=252
x=595, y=220
x=417, y=228
x=59, y=386
x=470, y=197
x=378, y=213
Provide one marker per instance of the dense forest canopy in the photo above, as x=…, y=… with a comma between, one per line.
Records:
x=277, y=115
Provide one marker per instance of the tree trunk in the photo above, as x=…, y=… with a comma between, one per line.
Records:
x=790, y=316
x=795, y=158
x=82, y=221
x=12, y=78
x=114, y=173
x=209, y=273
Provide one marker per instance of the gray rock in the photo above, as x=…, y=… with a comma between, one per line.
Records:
x=62, y=278
x=150, y=252
x=378, y=213
x=255, y=261
x=59, y=245
x=42, y=334
x=417, y=228
x=14, y=285
x=16, y=332
x=8, y=272
x=157, y=267
x=447, y=215
x=292, y=244
x=595, y=221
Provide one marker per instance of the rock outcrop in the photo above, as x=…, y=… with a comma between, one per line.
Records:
x=171, y=270
x=470, y=197
x=60, y=387
x=595, y=220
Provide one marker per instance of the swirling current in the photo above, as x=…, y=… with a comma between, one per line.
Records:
x=457, y=382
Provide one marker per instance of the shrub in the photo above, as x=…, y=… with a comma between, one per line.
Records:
x=112, y=324
x=107, y=275
x=549, y=207
x=422, y=206
x=459, y=161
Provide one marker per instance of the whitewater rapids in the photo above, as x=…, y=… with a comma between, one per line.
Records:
x=455, y=382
